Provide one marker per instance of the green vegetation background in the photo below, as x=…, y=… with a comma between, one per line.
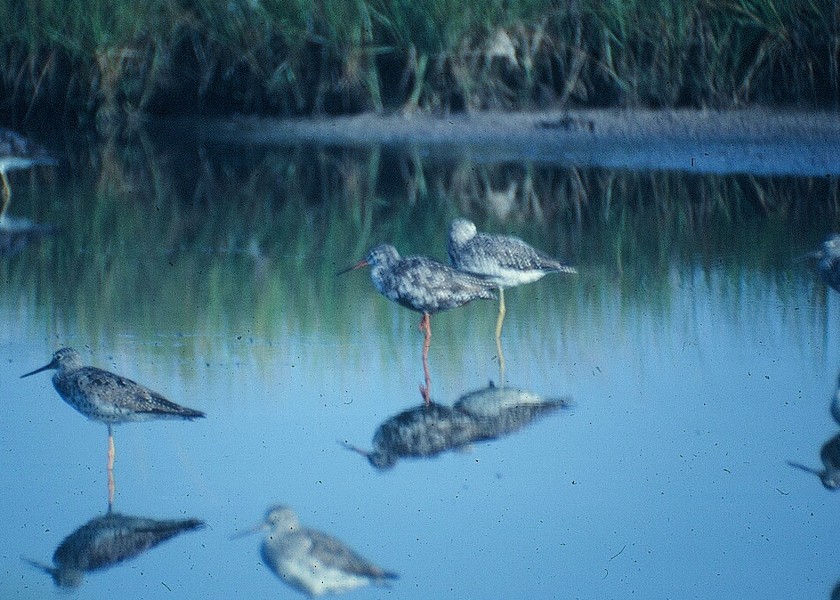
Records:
x=114, y=62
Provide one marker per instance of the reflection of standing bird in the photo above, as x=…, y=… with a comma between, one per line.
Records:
x=428, y=431
x=17, y=152
x=109, y=540
x=108, y=398
x=422, y=432
x=830, y=456
x=311, y=561
x=506, y=260
x=424, y=285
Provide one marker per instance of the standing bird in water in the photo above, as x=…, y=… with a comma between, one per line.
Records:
x=17, y=152
x=829, y=260
x=424, y=285
x=108, y=398
x=505, y=260
x=311, y=561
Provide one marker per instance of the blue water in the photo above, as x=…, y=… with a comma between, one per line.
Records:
x=694, y=378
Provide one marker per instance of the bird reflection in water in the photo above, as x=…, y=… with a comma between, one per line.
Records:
x=830, y=456
x=106, y=541
x=311, y=561
x=482, y=415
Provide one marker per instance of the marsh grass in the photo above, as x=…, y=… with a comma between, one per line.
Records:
x=113, y=64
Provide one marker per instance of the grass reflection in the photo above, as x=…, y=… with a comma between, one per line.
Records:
x=162, y=239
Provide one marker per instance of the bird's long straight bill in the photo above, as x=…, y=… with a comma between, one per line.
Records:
x=250, y=531
x=352, y=448
x=358, y=265
x=44, y=368
x=805, y=468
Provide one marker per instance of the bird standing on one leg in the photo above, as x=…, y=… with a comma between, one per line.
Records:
x=505, y=260
x=423, y=285
x=108, y=398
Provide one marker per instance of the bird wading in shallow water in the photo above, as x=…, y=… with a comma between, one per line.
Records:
x=17, y=152
x=423, y=285
x=311, y=561
x=108, y=398
x=505, y=260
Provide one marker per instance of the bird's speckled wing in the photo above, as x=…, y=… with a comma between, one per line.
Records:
x=509, y=253
x=424, y=284
x=119, y=393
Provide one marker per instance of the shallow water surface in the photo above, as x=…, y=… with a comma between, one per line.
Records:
x=698, y=355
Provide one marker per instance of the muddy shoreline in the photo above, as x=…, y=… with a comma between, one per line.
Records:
x=750, y=140
x=484, y=127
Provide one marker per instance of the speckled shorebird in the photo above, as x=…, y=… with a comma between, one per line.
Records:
x=830, y=457
x=108, y=398
x=424, y=285
x=829, y=260
x=506, y=260
x=311, y=561
x=17, y=152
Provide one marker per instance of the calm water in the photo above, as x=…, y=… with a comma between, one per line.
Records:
x=700, y=357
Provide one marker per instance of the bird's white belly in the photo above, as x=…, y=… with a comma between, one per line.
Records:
x=318, y=580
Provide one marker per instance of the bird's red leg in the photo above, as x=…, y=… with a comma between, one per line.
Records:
x=426, y=327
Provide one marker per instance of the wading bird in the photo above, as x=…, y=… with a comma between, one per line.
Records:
x=17, y=152
x=423, y=285
x=108, y=398
x=505, y=260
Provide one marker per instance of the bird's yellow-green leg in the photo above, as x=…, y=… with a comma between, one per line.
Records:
x=7, y=194
x=111, y=486
x=499, y=322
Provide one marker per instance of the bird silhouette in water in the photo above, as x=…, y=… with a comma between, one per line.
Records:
x=311, y=561
x=423, y=285
x=106, y=541
x=482, y=415
x=505, y=260
x=108, y=398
